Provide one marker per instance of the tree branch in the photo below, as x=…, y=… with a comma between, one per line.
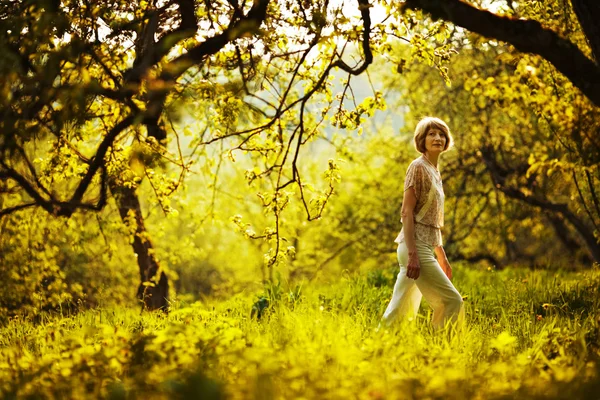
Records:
x=11, y=210
x=248, y=24
x=588, y=14
x=363, y=6
x=98, y=160
x=8, y=172
x=526, y=35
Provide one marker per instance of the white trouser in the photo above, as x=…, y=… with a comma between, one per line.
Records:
x=432, y=283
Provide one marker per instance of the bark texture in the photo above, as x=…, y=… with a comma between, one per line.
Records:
x=152, y=291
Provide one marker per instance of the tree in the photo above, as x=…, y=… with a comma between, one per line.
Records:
x=530, y=36
x=102, y=82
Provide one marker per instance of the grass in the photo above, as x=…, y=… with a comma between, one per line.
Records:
x=529, y=334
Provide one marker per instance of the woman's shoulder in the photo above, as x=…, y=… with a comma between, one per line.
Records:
x=417, y=163
x=420, y=169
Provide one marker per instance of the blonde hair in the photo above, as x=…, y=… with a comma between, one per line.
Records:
x=424, y=125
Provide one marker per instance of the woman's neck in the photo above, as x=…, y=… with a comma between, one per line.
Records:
x=432, y=158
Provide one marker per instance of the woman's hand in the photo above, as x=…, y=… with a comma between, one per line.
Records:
x=446, y=268
x=413, y=270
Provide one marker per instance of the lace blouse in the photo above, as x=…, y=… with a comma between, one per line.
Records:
x=429, y=210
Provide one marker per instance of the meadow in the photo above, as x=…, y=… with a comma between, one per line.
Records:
x=528, y=334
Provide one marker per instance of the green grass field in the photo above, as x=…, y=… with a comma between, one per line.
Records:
x=529, y=334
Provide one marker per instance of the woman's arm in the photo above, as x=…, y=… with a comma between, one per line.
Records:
x=408, y=224
x=443, y=260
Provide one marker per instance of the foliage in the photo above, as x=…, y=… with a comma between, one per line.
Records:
x=49, y=264
x=537, y=331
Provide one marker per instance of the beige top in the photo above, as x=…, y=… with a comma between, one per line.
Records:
x=429, y=210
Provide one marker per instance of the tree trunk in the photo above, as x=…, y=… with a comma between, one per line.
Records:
x=153, y=292
x=562, y=232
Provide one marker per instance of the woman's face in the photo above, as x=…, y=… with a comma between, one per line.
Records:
x=435, y=141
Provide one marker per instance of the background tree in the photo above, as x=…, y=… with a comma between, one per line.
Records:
x=100, y=86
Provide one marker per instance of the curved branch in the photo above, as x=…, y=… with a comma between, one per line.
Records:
x=562, y=232
x=363, y=6
x=526, y=35
x=8, y=172
x=187, y=10
x=11, y=210
x=248, y=24
x=98, y=160
x=336, y=253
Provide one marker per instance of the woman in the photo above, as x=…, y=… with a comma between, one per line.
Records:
x=420, y=238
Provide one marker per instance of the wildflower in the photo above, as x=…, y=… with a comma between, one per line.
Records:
x=545, y=306
x=539, y=317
